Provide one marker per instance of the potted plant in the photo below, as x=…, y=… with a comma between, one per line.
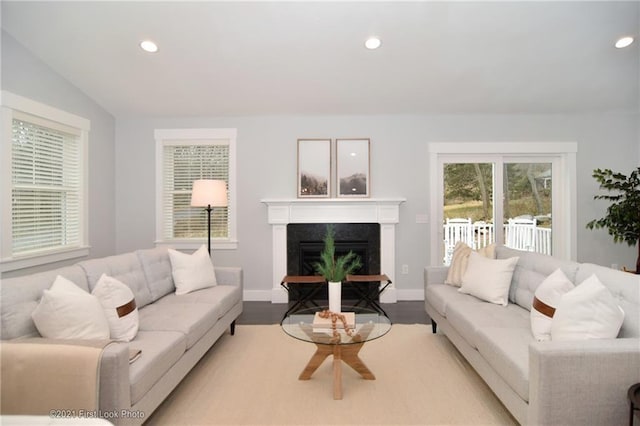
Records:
x=623, y=215
x=335, y=270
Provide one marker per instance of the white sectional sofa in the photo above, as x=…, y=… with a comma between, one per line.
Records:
x=174, y=331
x=582, y=382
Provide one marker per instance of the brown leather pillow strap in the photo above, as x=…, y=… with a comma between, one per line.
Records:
x=543, y=308
x=126, y=309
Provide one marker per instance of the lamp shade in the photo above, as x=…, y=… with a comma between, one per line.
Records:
x=209, y=192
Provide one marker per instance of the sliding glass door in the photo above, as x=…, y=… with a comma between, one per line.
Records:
x=498, y=198
x=467, y=210
x=527, y=201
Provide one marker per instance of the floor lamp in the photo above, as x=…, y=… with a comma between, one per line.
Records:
x=209, y=193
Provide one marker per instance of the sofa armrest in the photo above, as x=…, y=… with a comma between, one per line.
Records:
x=38, y=361
x=115, y=386
x=435, y=274
x=229, y=275
x=582, y=382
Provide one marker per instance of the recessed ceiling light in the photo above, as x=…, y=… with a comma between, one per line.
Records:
x=149, y=46
x=624, y=42
x=372, y=43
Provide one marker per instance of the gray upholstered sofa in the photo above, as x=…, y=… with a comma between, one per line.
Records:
x=174, y=331
x=542, y=383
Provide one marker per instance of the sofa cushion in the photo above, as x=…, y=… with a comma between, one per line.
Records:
x=119, y=305
x=441, y=295
x=160, y=351
x=19, y=296
x=157, y=270
x=223, y=297
x=531, y=269
x=488, y=279
x=468, y=317
x=191, y=319
x=66, y=311
x=624, y=287
x=123, y=267
x=506, y=350
x=192, y=271
x=589, y=311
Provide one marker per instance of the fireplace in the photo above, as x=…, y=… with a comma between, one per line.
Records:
x=305, y=242
x=283, y=212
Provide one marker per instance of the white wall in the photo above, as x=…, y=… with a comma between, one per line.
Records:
x=25, y=75
x=122, y=175
x=267, y=169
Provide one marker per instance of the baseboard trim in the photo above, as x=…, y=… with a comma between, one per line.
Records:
x=409, y=295
x=256, y=295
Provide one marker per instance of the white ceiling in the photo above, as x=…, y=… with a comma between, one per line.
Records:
x=245, y=58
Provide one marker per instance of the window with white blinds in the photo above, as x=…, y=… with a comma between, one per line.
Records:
x=44, y=184
x=187, y=155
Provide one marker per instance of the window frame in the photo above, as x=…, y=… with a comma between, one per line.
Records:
x=169, y=137
x=10, y=105
x=562, y=156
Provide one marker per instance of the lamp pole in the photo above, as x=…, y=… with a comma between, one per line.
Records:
x=209, y=228
x=210, y=193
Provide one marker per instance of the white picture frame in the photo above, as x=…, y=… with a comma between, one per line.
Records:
x=352, y=167
x=314, y=168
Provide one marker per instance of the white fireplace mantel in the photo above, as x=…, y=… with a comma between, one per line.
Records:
x=281, y=212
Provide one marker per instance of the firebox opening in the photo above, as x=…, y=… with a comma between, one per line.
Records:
x=305, y=242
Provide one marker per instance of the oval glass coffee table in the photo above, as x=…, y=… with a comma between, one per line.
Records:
x=343, y=344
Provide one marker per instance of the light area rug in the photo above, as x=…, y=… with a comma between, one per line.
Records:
x=251, y=378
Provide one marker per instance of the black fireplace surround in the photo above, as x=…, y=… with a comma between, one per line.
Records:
x=305, y=241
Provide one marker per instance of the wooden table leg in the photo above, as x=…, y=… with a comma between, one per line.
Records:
x=351, y=358
x=337, y=372
x=346, y=353
x=322, y=352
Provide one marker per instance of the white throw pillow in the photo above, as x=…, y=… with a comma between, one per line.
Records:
x=458, y=266
x=488, y=279
x=489, y=251
x=460, y=260
x=589, y=311
x=66, y=311
x=192, y=271
x=119, y=305
x=545, y=302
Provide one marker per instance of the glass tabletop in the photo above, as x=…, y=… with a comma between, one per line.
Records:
x=368, y=325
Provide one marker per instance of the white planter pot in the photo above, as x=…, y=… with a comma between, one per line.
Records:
x=335, y=296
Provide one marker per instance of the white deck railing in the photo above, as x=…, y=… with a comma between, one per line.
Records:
x=520, y=234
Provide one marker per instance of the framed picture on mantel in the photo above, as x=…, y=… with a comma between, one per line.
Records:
x=352, y=164
x=314, y=168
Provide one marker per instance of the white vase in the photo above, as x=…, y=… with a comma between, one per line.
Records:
x=335, y=296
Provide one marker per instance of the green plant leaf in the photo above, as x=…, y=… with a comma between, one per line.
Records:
x=622, y=220
x=333, y=269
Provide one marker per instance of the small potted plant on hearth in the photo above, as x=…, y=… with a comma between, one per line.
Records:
x=623, y=215
x=335, y=270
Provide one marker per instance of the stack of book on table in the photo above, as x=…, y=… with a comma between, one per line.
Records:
x=321, y=325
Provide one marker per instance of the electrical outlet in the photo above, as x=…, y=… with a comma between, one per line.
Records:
x=405, y=269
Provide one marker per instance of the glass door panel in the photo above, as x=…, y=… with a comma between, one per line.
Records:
x=468, y=206
x=527, y=203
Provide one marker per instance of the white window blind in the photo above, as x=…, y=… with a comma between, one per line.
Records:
x=46, y=186
x=184, y=162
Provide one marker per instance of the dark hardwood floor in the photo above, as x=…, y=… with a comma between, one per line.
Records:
x=405, y=312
